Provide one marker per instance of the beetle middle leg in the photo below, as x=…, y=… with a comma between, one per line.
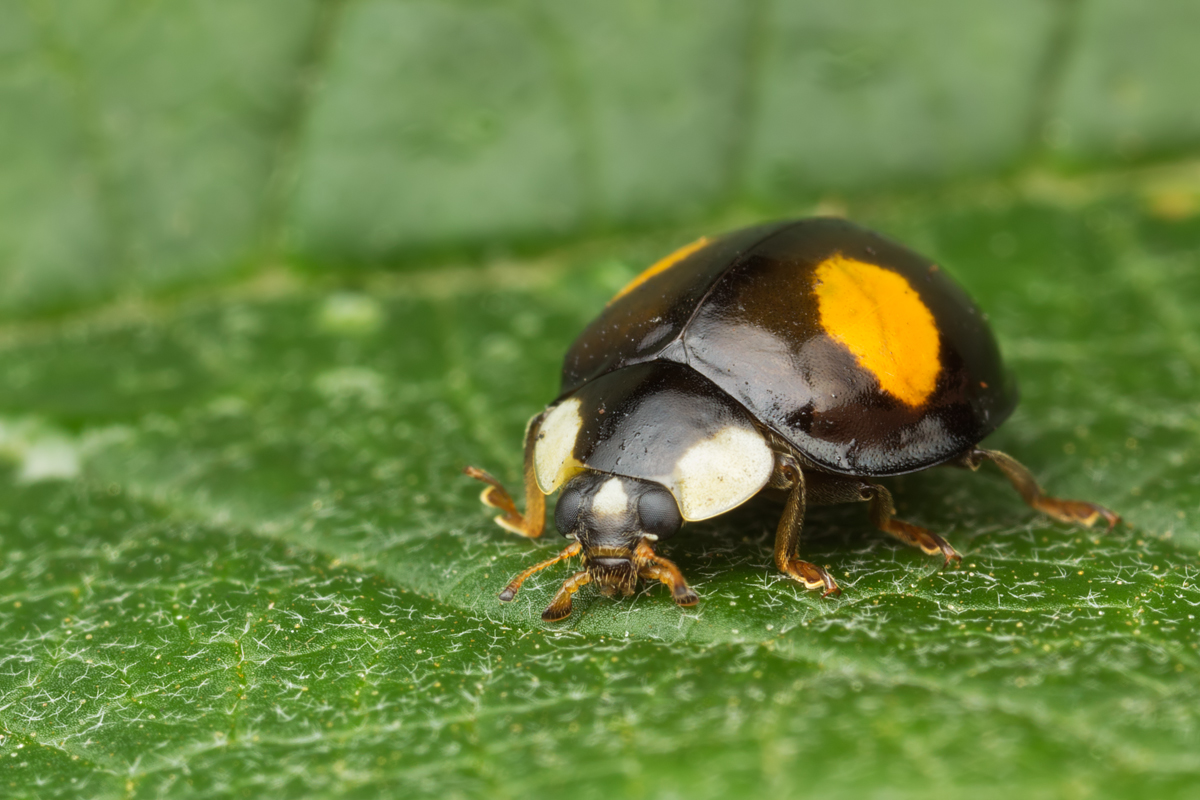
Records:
x=883, y=517
x=533, y=521
x=829, y=490
x=787, y=536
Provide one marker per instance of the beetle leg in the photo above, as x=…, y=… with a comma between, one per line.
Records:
x=514, y=585
x=652, y=566
x=560, y=606
x=533, y=521
x=1076, y=511
x=787, y=536
x=883, y=516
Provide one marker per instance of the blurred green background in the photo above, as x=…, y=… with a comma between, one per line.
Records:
x=273, y=271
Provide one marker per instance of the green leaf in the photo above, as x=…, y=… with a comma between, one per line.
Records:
x=883, y=78
x=238, y=555
x=148, y=145
x=138, y=141
x=260, y=571
x=1119, y=92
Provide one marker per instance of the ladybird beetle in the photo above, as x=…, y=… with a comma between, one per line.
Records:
x=809, y=356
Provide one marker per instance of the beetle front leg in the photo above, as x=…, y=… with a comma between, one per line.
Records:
x=560, y=607
x=652, y=566
x=787, y=535
x=514, y=585
x=533, y=521
x=1078, y=512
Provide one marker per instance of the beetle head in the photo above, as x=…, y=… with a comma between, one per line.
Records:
x=609, y=515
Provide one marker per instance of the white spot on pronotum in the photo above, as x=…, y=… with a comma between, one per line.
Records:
x=722, y=472
x=611, y=500
x=554, y=454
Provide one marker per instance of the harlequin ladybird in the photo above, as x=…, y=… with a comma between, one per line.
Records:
x=808, y=356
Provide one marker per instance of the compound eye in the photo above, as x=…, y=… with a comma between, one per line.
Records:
x=659, y=513
x=566, y=513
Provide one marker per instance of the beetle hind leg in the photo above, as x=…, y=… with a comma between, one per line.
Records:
x=533, y=521
x=1078, y=512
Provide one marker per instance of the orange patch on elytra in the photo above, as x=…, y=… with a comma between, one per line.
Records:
x=880, y=318
x=662, y=265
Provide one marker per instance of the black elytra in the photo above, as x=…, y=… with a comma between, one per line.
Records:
x=742, y=313
x=809, y=356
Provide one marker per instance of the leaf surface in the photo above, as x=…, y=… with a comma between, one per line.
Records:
x=147, y=146
x=260, y=571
